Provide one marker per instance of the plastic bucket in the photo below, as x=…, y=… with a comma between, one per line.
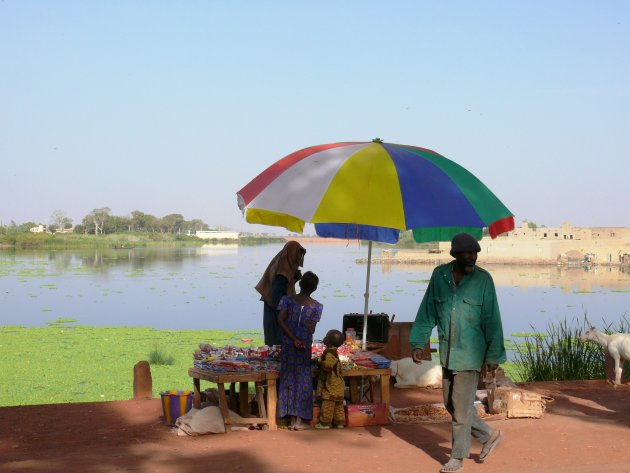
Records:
x=175, y=404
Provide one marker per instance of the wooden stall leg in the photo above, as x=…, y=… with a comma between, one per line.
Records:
x=271, y=403
x=369, y=391
x=233, y=403
x=196, y=394
x=243, y=398
x=385, y=391
x=223, y=405
x=354, y=391
x=260, y=400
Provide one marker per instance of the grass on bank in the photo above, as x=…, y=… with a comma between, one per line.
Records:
x=65, y=363
x=77, y=241
x=158, y=356
x=72, y=363
x=558, y=355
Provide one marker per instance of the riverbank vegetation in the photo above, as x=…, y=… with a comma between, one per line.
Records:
x=558, y=355
x=67, y=241
x=64, y=362
x=101, y=229
x=70, y=241
x=101, y=221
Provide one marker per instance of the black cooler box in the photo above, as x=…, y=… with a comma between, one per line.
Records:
x=377, y=326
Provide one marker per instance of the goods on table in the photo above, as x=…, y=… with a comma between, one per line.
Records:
x=368, y=359
x=267, y=358
x=237, y=359
x=353, y=357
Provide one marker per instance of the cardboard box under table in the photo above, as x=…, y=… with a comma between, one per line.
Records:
x=267, y=414
x=361, y=415
x=362, y=411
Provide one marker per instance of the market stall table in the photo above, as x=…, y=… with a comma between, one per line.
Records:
x=259, y=377
x=243, y=378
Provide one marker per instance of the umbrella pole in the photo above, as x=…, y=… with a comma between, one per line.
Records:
x=367, y=295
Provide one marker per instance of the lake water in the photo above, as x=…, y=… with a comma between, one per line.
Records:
x=212, y=287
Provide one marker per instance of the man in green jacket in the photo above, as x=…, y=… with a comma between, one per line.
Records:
x=461, y=301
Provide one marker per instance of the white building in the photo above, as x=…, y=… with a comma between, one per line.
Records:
x=216, y=235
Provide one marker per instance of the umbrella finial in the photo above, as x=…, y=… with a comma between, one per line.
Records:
x=377, y=140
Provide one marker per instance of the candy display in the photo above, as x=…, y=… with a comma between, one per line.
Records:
x=353, y=357
x=237, y=359
x=267, y=358
x=368, y=359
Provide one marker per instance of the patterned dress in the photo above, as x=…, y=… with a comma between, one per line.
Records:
x=330, y=388
x=295, y=391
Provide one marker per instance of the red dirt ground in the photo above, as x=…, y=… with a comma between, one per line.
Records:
x=585, y=430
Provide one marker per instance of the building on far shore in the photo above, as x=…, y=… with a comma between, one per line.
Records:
x=562, y=245
x=568, y=232
x=216, y=235
x=39, y=229
x=44, y=229
x=565, y=245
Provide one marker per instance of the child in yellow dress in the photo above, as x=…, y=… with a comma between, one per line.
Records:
x=331, y=385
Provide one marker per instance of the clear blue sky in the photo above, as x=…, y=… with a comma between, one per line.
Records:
x=171, y=107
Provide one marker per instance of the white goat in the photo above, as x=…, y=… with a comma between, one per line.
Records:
x=618, y=345
x=410, y=375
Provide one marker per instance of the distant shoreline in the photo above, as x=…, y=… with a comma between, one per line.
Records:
x=322, y=241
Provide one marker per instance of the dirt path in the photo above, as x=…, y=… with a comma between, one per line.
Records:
x=585, y=430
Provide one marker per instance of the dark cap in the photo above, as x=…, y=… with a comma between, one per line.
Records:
x=463, y=242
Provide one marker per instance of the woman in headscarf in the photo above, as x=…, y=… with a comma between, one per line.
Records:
x=279, y=280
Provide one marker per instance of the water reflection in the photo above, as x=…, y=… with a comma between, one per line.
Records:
x=567, y=279
x=212, y=287
x=102, y=260
x=217, y=249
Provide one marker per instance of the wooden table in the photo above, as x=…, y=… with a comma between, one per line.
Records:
x=266, y=416
x=259, y=378
x=357, y=375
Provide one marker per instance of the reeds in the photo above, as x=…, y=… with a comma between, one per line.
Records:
x=558, y=354
x=159, y=357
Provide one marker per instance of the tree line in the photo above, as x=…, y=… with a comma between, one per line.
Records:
x=101, y=221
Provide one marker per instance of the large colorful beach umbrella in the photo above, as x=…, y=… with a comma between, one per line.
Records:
x=373, y=191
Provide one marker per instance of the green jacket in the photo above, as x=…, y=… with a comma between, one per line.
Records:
x=467, y=317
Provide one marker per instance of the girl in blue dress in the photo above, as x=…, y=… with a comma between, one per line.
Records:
x=298, y=317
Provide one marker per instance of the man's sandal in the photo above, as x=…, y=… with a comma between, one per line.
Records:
x=490, y=445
